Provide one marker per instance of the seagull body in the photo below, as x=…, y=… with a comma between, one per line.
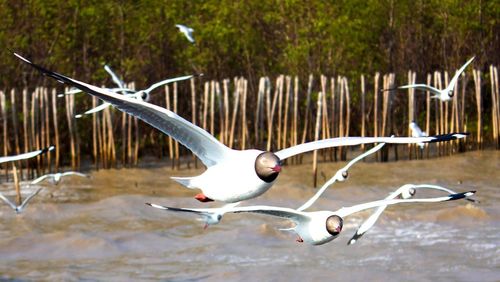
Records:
x=56, y=177
x=188, y=32
x=406, y=191
x=231, y=175
x=417, y=132
x=26, y=155
x=321, y=227
x=444, y=94
x=21, y=207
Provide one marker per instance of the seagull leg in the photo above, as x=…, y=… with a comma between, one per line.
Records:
x=205, y=226
x=202, y=198
x=300, y=240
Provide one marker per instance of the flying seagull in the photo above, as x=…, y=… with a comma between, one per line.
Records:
x=56, y=177
x=417, y=132
x=231, y=175
x=26, y=155
x=444, y=94
x=188, y=32
x=404, y=192
x=321, y=227
x=20, y=208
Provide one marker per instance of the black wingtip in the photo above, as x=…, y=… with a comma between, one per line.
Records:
x=461, y=195
x=48, y=149
x=388, y=89
x=149, y=204
x=354, y=238
x=448, y=137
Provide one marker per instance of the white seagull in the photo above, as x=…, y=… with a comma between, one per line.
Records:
x=321, y=227
x=443, y=95
x=188, y=32
x=404, y=192
x=417, y=132
x=140, y=94
x=341, y=175
x=56, y=177
x=231, y=175
x=26, y=155
x=20, y=208
x=211, y=216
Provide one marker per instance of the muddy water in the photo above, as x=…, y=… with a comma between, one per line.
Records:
x=100, y=229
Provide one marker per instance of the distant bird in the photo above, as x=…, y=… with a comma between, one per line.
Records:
x=443, y=95
x=231, y=175
x=417, y=132
x=188, y=32
x=404, y=192
x=321, y=227
x=211, y=216
x=341, y=175
x=56, y=177
x=26, y=155
x=20, y=208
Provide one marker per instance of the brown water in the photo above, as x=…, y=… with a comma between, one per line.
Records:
x=100, y=229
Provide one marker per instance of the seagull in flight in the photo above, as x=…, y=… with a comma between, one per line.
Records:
x=341, y=175
x=444, y=94
x=231, y=175
x=417, y=132
x=26, y=155
x=55, y=178
x=188, y=32
x=21, y=207
x=321, y=227
x=406, y=191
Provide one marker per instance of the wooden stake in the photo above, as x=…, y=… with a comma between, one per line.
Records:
x=316, y=137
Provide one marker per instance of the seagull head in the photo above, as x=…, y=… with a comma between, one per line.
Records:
x=450, y=93
x=408, y=192
x=267, y=166
x=334, y=225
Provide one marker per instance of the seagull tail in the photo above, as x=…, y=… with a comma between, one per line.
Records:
x=185, y=181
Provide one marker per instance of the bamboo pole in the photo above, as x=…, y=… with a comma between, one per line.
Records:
x=428, y=113
x=411, y=107
x=41, y=121
x=316, y=137
x=279, y=87
x=244, y=127
x=19, y=199
x=288, y=92
x=34, y=127
x=270, y=113
x=477, y=83
x=218, y=97
x=104, y=139
x=236, y=102
x=295, y=113
x=340, y=83
x=4, y=124
x=308, y=103
x=111, y=139
x=47, y=127
x=138, y=141
x=170, y=141
x=69, y=117
x=258, y=110
x=15, y=122
x=25, y=129
x=193, y=115
x=212, y=107
x=94, y=134
x=348, y=113
x=205, y=104
x=334, y=112
x=176, y=144
x=56, y=128
x=225, y=86
x=495, y=111
x=375, y=105
x=363, y=109
x=77, y=136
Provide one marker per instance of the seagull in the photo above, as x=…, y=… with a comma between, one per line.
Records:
x=211, y=216
x=321, y=227
x=141, y=94
x=56, y=177
x=231, y=175
x=20, y=208
x=26, y=155
x=188, y=32
x=404, y=192
x=443, y=95
x=417, y=132
x=341, y=175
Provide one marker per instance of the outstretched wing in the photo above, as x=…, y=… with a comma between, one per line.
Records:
x=26, y=155
x=296, y=216
x=7, y=201
x=167, y=81
x=453, y=81
x=201, y=143
x=352, y=141
x=114, y=77
x=350, y=210
x=41, y=178
x=422, y=87
x=94, y=110
x=27, y=200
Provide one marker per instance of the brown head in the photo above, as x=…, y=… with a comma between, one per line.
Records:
x=267, y=166
x=334, y=225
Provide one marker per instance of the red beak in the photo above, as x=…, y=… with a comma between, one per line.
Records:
x=276, y=168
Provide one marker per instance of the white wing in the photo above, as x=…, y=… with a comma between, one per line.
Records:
x=203, y=212
x=74, y=173
x=296, y=216
x=350, y=210
x=201, y=143
x=167, y=81
x=94, y=110
x=26, y=155
x=7, y=201
x=422, y=87
x=114, y=77
x=327, y=184
x=352, y=141
x=26, y=201
x=41, y=178
x=453, y=81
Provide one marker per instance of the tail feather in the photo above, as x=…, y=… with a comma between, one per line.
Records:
x=185, y=181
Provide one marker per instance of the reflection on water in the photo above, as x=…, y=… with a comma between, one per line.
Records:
x=101, y=229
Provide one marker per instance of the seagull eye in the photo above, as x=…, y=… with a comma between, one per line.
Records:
x=345, y=174
x=219, y=217
x=144, y=96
